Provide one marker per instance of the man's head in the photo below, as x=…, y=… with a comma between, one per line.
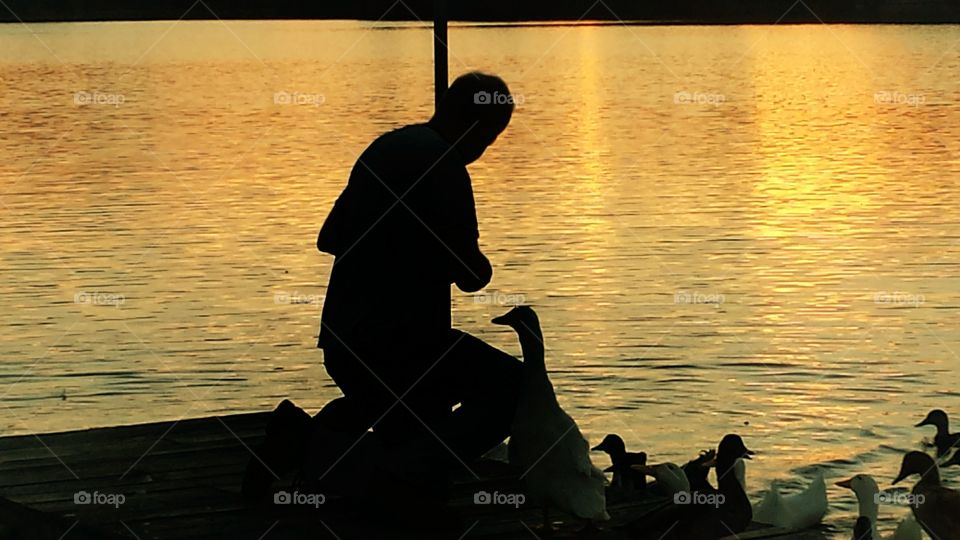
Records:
x=473, y=112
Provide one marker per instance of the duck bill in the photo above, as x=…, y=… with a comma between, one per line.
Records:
x=597, y=448
x=848, y=483
x=924, y=423
x=900, y=478
x=501, y=320
x=748, y=454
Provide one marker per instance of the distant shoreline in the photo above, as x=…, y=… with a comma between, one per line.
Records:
x=504, y=24
x=498, y=12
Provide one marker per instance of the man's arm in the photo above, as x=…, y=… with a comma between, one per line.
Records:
x=470, y=269
x=475, y=270
x=335, y=232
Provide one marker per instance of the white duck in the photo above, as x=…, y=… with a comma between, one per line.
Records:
x=740, y=471
x=544, y=441
x=669, y=476
x=867, y=492
x=798, y=511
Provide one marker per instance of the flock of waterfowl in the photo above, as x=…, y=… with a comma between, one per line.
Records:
x=548, y=446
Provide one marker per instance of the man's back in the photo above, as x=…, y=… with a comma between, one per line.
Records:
x=403, y=222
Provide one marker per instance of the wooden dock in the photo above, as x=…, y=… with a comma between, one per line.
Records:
x=180, y=480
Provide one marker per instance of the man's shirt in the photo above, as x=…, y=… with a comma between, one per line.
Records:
x=402, y=230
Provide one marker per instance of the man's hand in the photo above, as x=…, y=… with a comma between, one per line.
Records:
x=473, y=274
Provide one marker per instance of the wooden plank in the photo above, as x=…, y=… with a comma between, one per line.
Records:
x=127, y=450
x=185, y=484
x=18, y=521
x=117, y=472
x=110, y=435
x=221, y=476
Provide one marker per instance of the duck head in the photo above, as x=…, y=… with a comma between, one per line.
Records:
x=863, y=485
x=866, y=490
x=732, y=448
x=520, y=318
x=524, y=321
x=611, y=444
x=918, y=463
x=938, y=418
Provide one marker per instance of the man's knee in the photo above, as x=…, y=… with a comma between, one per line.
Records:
x=473, y=350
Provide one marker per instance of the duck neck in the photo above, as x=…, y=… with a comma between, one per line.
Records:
x=868, y=506
x=727, y=475
x=931, y=477
x=943, y=428
x=531, y=345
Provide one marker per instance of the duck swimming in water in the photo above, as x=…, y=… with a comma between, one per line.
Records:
x=943, y=440
x=624, y=475
x=544, y=440
x=798, y=511
x=937, y=508
x=867, y=492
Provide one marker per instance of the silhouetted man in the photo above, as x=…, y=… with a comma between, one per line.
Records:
x=403, y=230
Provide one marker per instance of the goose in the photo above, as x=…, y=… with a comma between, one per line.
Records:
x=867, y=492
x=544, y=440
x=798, y=511
x=938, y=511
x=943, y=440
x=698, y=515
x=624, y=475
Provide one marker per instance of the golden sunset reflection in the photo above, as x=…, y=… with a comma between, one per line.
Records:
x=721, y=228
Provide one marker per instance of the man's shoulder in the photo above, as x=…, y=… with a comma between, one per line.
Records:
x=412, y=148
x=413, y=135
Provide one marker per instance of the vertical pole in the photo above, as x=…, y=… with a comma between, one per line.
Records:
x=440, y=75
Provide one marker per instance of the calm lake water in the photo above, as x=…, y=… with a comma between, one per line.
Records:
x=748, y=229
